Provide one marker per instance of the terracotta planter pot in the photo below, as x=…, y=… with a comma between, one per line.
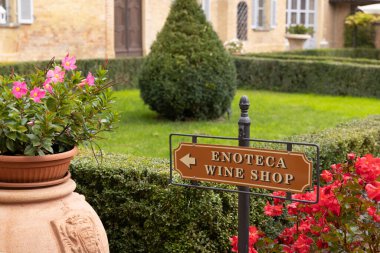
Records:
x=50, y=219
x=35, y=171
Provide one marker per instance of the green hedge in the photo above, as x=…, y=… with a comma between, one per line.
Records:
x=365, y=53
x=322, y=71
x=308, y=76
x=358, y=136
x=142, y=213
x=123, y=71
x=322, y=58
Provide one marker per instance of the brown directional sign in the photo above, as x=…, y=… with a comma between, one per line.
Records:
x=244, y=166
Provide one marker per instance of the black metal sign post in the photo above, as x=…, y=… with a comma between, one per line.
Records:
x=189, y=158
x=243, y=204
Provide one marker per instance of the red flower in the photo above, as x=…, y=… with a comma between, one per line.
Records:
x=280, y=194
x=302, y=245
x=234, y=243
x=254, y=235
x=351, y=156
x=336, y=168
x=327, y=176
x=373, y=190
x=368, y=167
x=372, y=212
x=322, y=244
x=275, y=210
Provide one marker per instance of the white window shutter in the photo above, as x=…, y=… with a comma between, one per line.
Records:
x=206, y=8
x=25, y=11
x=255, y=13
x=273, y=14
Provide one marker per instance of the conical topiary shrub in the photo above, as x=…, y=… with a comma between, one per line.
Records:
x=188, y=74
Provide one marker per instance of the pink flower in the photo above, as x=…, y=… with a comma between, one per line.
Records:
x=56, y=75
x=275, y=210
x=90, y=79
x=327, y=176
x=36, y=94
x=373, y=190
x=68, y=63
x=47, y=85
x=19, y=89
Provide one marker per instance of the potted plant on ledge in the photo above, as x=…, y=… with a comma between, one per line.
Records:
x=297, y=35
x=46, y=115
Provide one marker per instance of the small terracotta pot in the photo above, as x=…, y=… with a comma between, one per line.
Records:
x=44, y=170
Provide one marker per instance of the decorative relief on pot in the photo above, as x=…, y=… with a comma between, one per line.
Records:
x=77, y=233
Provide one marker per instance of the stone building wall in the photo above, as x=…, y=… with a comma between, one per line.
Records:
x=83, y=29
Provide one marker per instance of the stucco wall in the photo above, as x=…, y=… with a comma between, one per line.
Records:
x=154, y=17
x=83, y=29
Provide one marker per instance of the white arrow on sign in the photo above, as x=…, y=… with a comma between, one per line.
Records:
x=188, y=161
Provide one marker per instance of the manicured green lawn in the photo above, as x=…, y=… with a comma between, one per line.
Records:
x=274, y=116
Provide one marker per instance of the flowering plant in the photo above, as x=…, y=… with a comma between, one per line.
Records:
x=52, y=110
x=346, y=218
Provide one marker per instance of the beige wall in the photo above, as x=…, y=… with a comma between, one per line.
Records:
x=83, y=29
x=154, y=17
x=87, y=30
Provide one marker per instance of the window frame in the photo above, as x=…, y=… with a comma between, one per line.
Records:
x=22, y=20
x=206, y=6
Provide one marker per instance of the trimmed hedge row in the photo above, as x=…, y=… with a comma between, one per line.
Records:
x=308, y=77
x=367, y=53
x=142, y=213
x=358, y=136
x=305, y=73
x=124, y=72
x=301, y=57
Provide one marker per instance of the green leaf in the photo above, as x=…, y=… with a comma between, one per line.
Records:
x=10, y=145
x=21, y=129
x=40, y=152
x=30, y=150
x=11, y=135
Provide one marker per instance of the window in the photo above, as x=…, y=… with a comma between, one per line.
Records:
x=258, y=17
x=264, y=14
x=273, y=20
x=25, y=11
x=242, y=16
x=3, y=11
x=300, y=12
x=206, y=8
x=16, y=12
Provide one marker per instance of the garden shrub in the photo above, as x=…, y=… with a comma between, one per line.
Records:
x=345, y=219
x=359, y=136
x=367, y=53
x=123, y=71
x=304, y=76
x=359, y=30
x=188, y=74
x=142, y=213
x=311, y=57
